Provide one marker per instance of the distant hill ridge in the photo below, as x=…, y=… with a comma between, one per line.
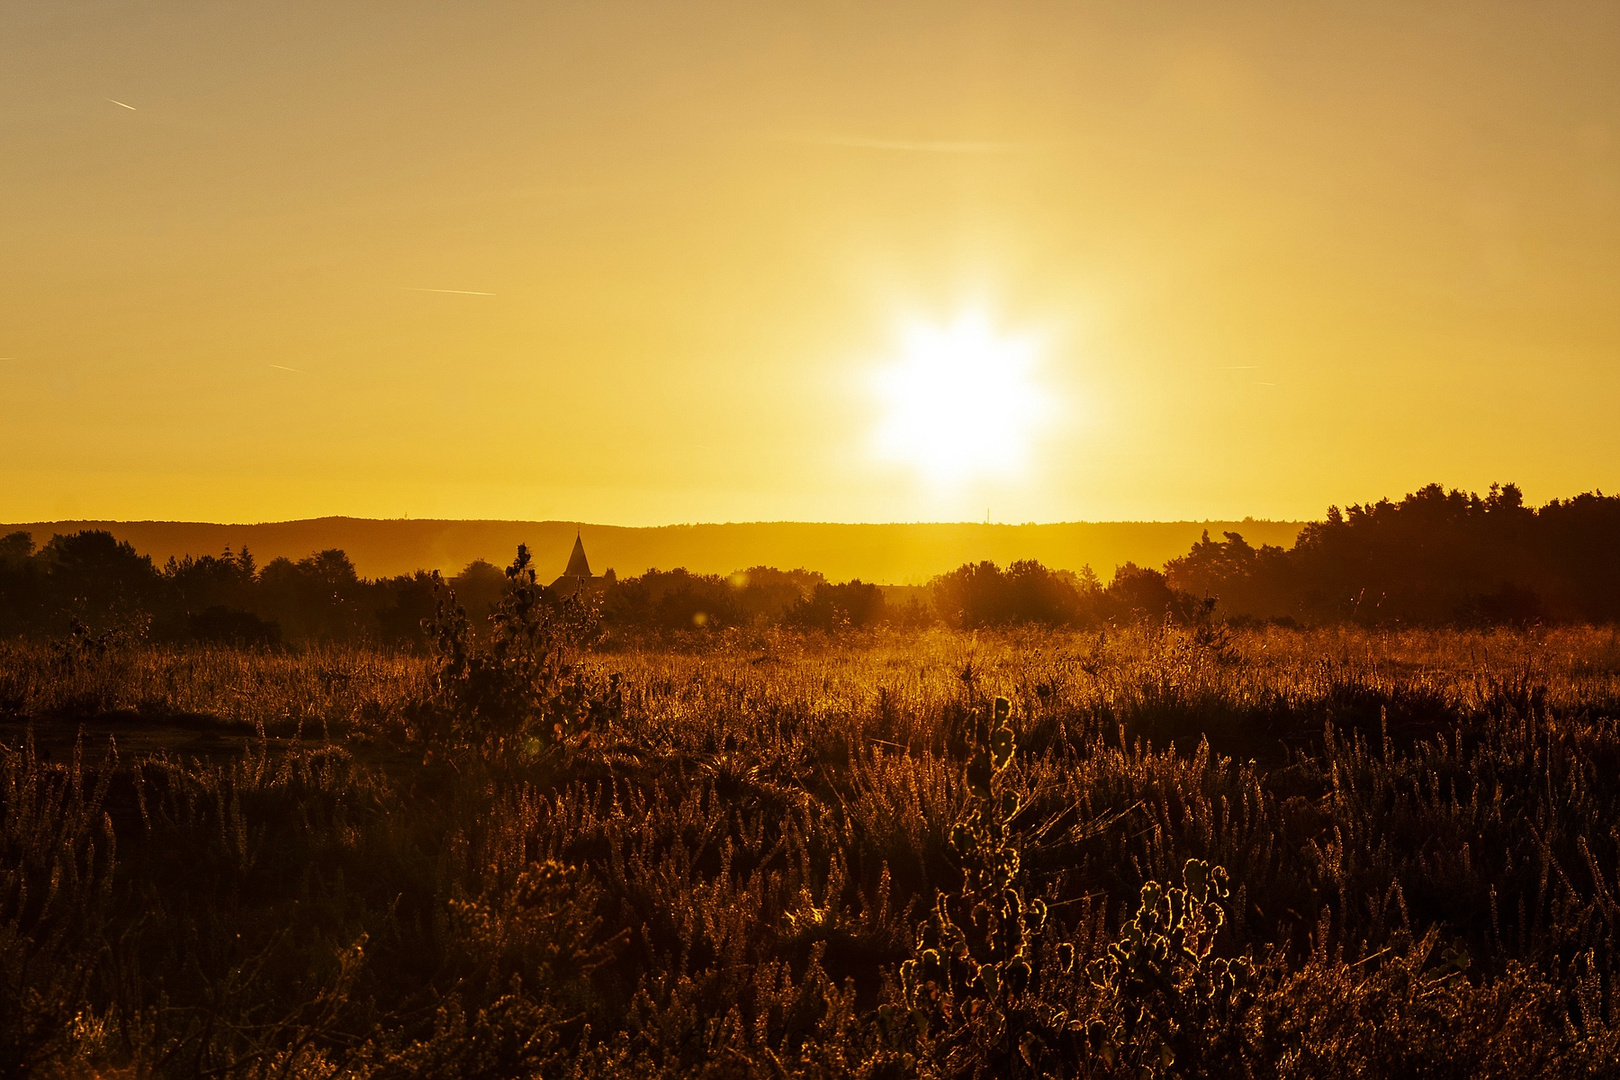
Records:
x=885, y=553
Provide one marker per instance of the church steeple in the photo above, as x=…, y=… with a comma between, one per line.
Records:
x=578, y=565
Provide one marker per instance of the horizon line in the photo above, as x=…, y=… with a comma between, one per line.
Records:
x=581, y=522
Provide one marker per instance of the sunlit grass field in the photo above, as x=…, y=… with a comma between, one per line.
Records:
x=1090, y=671
x=241, y=863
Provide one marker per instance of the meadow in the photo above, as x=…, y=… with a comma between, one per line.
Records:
x=1141, y=850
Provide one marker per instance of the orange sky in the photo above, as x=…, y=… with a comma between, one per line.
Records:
x=1277, y=255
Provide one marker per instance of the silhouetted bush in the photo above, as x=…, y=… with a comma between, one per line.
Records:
x=1139, y=593
x=674, y=600
x=1255, y=582
x=522, y=689
x=318, y=598
x=479, y=588
x=854, y=604
x=982, y=594
x=767, y=595
x=221, y=625
x=411, y=604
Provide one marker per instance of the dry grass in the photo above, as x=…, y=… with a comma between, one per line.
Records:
x=725, y=877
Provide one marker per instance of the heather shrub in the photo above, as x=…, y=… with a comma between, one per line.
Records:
x=742, y=867
x=57, y=857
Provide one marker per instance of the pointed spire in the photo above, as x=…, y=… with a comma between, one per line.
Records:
x=578, y=565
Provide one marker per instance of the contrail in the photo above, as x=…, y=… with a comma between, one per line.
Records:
x=295, y=371
x=131, y=108
x=1240, y=367
x=458, y=292
x=920, y=146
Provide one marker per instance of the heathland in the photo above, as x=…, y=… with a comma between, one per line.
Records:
x=1020, y=824
x=1267, y=852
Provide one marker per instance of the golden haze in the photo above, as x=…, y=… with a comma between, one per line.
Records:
x=897, y=554
x=1280, y=255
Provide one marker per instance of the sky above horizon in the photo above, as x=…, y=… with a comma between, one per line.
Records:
x=649, y=263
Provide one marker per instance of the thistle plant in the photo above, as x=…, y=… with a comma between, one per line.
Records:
x=993, y=986
x=985, y=985
x=1165, y=998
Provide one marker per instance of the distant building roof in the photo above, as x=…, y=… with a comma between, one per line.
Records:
x=578, y=565
x=578, y=576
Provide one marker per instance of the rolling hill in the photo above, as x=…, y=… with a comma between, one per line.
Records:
x=886, y=553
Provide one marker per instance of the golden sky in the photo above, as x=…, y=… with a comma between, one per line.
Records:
x=647, y=263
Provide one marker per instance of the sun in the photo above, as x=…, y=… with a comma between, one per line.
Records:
x=961, y=402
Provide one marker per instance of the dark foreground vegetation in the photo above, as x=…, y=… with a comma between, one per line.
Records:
x=1150, y=850
x=1434, y=558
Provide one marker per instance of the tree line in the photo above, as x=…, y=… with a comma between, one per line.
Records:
x=1435, y=557
x=93, y=585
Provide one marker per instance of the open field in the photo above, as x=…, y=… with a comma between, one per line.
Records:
x=769, y=853
x=747, y=541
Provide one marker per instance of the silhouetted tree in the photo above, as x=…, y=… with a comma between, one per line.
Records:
x=767, y=595
x=853, y=604
x=97, y=580
x=221, y=625
x=317, y=598
x=402, y=620
x=1257, y=582
x=1140, y=593
x=479, y=588
x=1433, y=557
x=223, y=586
x=982, y=594
x=23, y=602
x=673, y=600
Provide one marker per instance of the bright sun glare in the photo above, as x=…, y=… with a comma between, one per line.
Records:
x=961, y=402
